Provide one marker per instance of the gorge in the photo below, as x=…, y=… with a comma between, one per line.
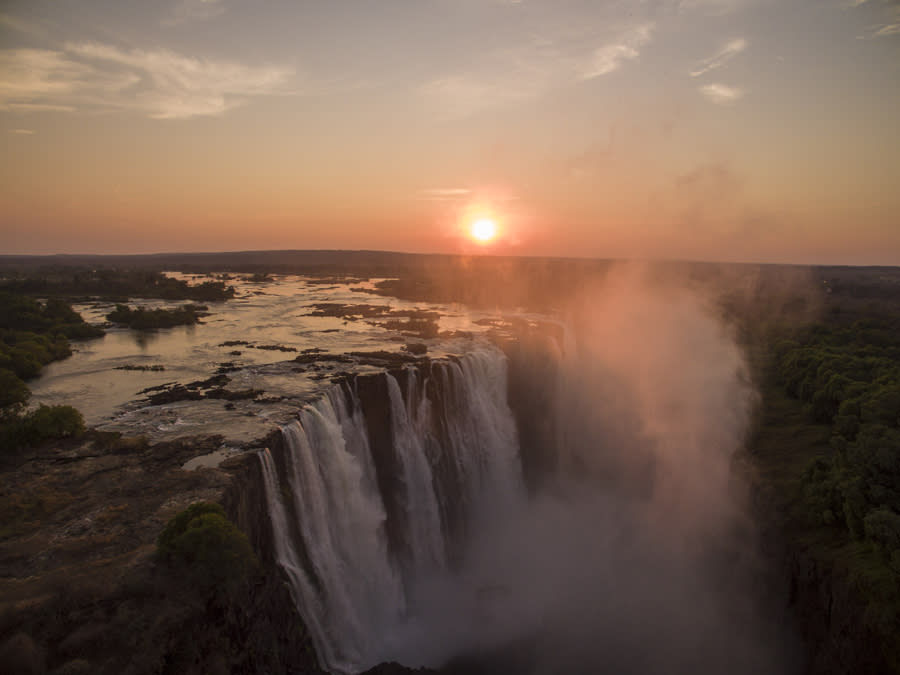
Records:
x=597, y=524
x=436, y=487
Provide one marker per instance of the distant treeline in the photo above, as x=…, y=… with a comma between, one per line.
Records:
x=109, y=283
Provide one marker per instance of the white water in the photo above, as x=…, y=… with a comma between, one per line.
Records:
x=363, y=603
x=633, y=555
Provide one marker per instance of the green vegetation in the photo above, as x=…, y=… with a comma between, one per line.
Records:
x=144, y=319
x=207, y=547
x=848, y=377
x=828, y=444
x=32, y=335
x=34, y=427
x=113, y=283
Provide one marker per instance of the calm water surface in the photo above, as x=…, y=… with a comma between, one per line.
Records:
x=268, y=313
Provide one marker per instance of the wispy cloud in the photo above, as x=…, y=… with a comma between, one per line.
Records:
x=194, y=10
x=21, y=26
x=39, y=79
x=626, y=47
x=459, y=96
x=444, y=194
x=888, y=29
x=721, y=94
x=23, y=132
x=721, y=57
x=712, y=7
x=159, y=83
x=890, y=17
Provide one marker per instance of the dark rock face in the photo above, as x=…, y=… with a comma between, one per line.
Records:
x=532, y=393
x=830, y=614
x=375, y=402
x=396, y=669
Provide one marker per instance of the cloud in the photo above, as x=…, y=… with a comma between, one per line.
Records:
x=21, y=26
x=610, y=57
x=888, y=29
x=194, y=10
x=711, y=7
x=890, y=18
x=23, y=132
x=547, y=56
x=39, y=79
x=721, y=57
x=444, y=194
x=159, y=83
x=459, y=96
x=721, y=94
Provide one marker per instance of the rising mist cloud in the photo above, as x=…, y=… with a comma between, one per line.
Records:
x=635, y=554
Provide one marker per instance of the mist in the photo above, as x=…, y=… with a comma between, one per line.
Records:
x=635, y=552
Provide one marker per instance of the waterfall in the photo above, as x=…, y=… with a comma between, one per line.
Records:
x=366, y=527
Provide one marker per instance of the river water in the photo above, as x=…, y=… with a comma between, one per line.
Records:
x=104, y=380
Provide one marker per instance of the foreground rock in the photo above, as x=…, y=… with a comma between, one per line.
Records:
x=81, y=590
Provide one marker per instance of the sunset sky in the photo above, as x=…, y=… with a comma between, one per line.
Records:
x=745, y=130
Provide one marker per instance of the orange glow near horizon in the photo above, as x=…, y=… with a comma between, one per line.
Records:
x=627, y=142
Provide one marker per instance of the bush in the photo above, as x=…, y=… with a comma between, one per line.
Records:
x=883, y=529
x=13, y=392
x=141, y=318
x=45, y=423
x=207, y=547
x=54, y=421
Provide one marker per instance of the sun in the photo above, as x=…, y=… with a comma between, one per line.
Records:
x=483, y=230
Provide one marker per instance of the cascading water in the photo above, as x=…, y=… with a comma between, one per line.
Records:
x=401, y=518
x=367, y=596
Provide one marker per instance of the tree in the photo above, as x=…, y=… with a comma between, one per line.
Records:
x=209, y=548
x=14, y=393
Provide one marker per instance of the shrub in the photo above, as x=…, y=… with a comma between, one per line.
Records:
x=13, y=392
x=883, y=529
x=209, y=548
x=141, y=318
x=54, y=421
x=45, y=423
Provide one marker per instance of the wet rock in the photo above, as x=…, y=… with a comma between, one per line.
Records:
x=383, y=358
x=417, y=348
x=274, y=348
x=309, y=357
